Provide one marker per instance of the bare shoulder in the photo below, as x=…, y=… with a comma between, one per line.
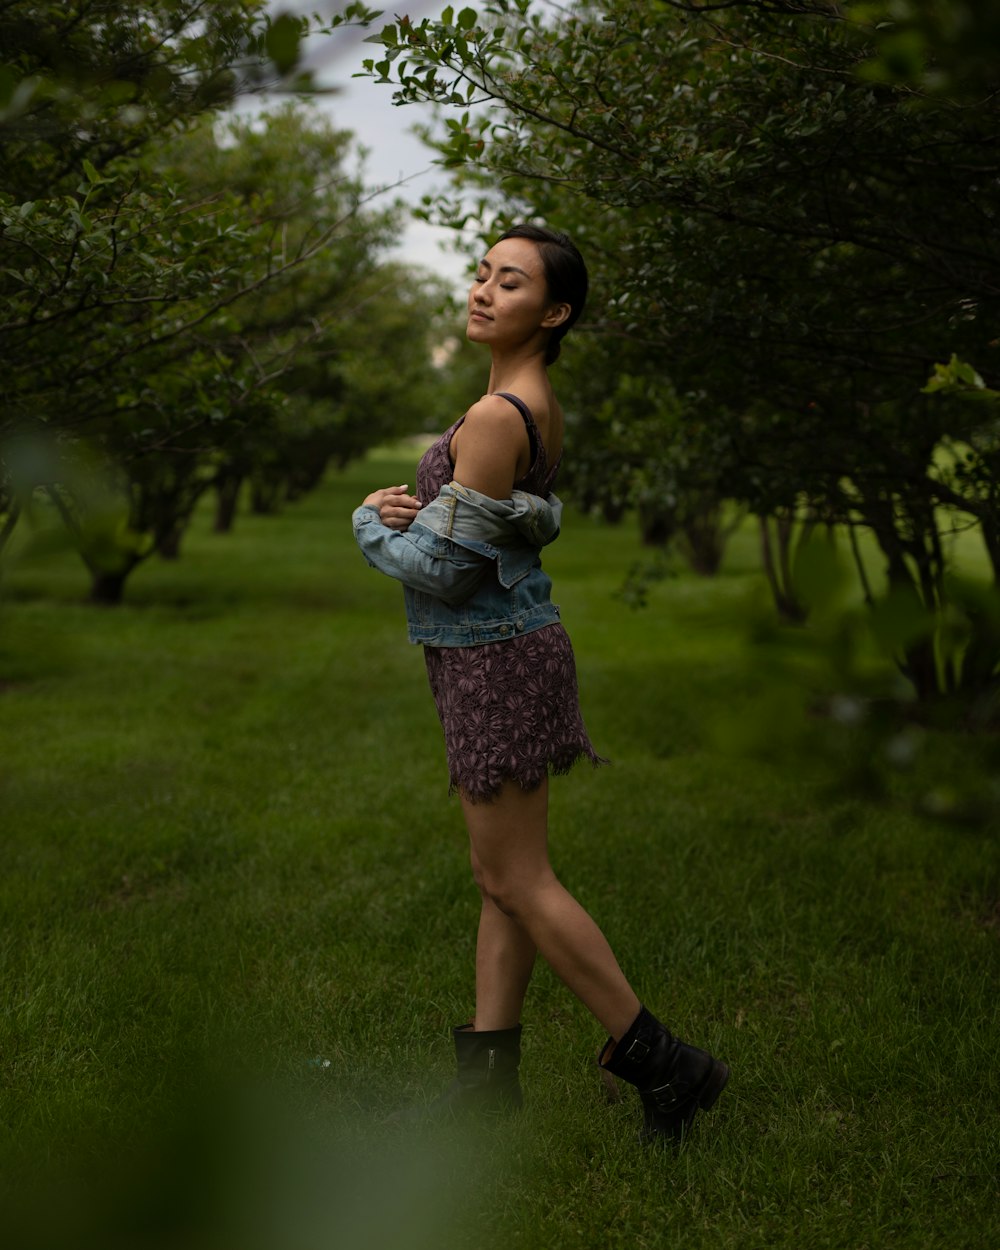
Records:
x=490, y=447
x=493, y=420
x=495, y=411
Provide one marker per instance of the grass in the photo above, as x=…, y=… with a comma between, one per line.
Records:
x=239, y=922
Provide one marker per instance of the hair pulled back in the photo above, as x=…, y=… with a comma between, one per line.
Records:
x=565, y=276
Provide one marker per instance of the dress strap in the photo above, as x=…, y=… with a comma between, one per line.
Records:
x=534, y=439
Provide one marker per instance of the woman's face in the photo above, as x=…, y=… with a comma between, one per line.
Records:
x=509, y=300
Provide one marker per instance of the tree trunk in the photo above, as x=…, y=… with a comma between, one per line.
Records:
x=778, y=572
x=305, y=477
x=657, y=526
x=704, y=541
x=169, y=546
x=920, y=666
x=107, y=589
x=266, y=496
x=916, y=658
x=227, y=496
x=9, y=525
x=991, y=540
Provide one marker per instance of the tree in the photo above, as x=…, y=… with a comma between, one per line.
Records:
x=367, y=380
x=319, y=335
x=799, y=234
x=160, y=288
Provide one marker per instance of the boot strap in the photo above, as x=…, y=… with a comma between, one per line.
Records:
x=666, y=1097
x=638, y=1050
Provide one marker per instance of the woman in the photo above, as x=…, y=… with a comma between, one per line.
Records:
x=502, y=673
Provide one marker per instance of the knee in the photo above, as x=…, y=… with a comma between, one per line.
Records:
x=510, y=895
x=495, y=886
x=489, y=885
x=503, y=899
x=478, y=875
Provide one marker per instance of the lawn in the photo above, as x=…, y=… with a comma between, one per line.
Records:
x=239, y=923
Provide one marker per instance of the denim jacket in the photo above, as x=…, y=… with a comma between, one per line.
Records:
x=469, y=564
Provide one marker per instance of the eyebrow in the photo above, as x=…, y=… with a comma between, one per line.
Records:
x=505, y=268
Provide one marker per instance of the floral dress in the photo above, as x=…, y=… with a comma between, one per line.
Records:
x=510, y=710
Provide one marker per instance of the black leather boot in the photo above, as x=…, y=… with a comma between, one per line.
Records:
x=674, y=1080
x=486, y=1082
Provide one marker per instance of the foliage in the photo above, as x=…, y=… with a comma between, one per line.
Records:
x=318, y=337
x=784, y=237
x=172, y=288
x=939, y=46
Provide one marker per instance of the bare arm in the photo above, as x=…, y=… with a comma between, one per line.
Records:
x=492, y=449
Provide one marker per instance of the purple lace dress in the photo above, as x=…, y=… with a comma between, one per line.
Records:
x=510, y=710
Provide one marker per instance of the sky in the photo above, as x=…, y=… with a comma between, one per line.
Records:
x=394, y=154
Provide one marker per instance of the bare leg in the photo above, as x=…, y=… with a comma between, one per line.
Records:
x=509, y=840
x=505, y=957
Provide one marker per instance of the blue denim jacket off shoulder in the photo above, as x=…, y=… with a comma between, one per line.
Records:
x=469, y=565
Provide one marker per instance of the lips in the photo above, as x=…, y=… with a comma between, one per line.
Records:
x=475, y=315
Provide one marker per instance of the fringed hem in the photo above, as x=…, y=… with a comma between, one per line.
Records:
x=555, y=768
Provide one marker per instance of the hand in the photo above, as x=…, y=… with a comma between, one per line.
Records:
x=396, y=509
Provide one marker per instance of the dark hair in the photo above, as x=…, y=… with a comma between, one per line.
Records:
x=565, y=275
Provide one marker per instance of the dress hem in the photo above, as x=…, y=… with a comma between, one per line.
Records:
x=555, y=768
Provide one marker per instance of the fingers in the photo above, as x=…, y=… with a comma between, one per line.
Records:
x=399, y=513
x=393, y=496
x=396, y=508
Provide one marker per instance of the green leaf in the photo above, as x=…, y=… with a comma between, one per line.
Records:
x=282, y=42
x=956, y=375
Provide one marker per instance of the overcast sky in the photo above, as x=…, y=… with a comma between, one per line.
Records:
x=362, y=106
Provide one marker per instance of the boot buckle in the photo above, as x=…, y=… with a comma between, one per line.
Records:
x=666, y=1097
x=638, y=1051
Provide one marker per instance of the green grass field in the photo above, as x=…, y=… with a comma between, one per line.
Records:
x=239, y=923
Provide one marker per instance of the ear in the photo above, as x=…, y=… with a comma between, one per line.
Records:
x=556, y=315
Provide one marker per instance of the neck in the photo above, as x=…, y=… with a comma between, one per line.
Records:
x=508, y=370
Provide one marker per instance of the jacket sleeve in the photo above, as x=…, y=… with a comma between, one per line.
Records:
x=419, y=558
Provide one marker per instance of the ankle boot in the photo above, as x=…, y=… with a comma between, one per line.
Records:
x=674, y=1080
x=486, y=1081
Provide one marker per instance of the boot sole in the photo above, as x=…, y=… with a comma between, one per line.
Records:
x=677, y=1136
x=715, y=1083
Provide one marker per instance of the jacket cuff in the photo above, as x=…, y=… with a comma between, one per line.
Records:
x=366, y=514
